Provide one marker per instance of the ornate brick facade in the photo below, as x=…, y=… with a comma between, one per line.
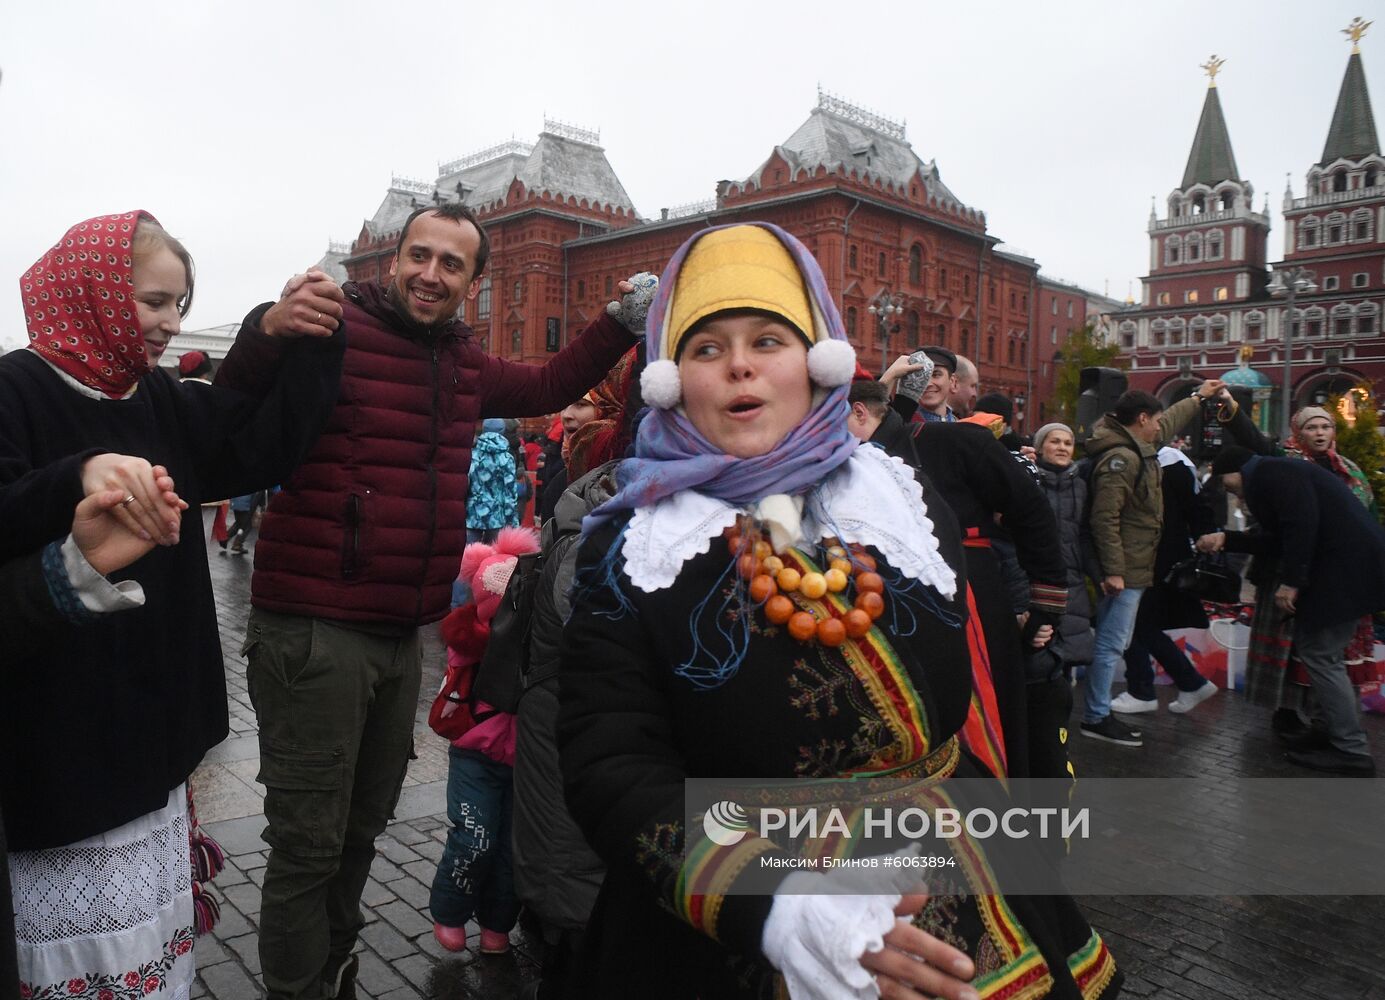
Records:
x=847, y=183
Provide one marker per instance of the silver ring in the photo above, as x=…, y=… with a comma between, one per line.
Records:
x=319, y=318
x=127, y=501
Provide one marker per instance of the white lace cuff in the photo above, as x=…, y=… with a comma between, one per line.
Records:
x=98, y=595
x=816, y=942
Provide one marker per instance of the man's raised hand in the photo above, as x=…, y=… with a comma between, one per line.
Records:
x=309, y=306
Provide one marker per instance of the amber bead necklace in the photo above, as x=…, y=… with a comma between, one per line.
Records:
x=769, y=580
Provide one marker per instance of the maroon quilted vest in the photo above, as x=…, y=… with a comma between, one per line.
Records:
x=371, y=526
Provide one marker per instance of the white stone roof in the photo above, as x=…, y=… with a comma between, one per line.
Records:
x=565, y=161
x=398, y=203
x=485, y=182
x=840, y=134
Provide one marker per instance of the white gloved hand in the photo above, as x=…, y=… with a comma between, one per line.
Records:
x=821, y=924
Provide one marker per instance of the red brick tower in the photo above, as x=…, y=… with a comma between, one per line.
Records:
x=1336, y=232
x=1206, y=286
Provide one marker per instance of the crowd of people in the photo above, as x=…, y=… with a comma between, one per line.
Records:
x=756, y=560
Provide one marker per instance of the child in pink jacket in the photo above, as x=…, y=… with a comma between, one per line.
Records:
x=475, y=877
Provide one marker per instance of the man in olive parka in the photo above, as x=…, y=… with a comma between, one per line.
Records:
x=1127, y=512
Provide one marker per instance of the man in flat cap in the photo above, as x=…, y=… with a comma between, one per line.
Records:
x=925, y=401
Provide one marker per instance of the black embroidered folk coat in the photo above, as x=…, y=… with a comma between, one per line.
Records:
x=634, y=723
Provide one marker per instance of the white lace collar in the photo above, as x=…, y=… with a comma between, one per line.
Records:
x=871, y=499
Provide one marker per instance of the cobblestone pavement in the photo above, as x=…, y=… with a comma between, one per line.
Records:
x=1171, y=948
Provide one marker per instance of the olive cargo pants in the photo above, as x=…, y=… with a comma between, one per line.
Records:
x=336, y=709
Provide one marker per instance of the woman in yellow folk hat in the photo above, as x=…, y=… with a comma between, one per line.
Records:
x=764, y=598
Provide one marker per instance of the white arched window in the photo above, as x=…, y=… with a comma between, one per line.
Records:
x=1308, y=232
x=1158, y=333
x=1367, y=319
x=1173, y=250
x=1217, y=333
x=1341, y=320
x=1254, y=328
x=1334, y=229
x=1314, y=321
x=1197, y=331
x=1361, y=226
x=1192, y=249
x=1127, y=335
x=1214, y=245
x=1176, y=333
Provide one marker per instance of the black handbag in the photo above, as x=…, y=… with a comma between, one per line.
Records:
x=499, y=677
x=1207, y=577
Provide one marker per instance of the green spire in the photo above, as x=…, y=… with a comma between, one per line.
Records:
x=1352, y=135
x=1211, y=160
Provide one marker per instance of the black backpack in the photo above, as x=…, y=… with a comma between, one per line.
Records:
x=506, y=660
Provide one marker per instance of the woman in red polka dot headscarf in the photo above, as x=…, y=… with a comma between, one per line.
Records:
x=102, y=723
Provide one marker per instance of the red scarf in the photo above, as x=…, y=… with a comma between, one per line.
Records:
x=79, y=305
x=1334, y=461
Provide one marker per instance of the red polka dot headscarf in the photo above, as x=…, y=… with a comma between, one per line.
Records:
x=79, y=304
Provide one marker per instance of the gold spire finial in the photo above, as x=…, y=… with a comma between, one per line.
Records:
x=1212, y=67
x=1354, y=31
x=1247, y=354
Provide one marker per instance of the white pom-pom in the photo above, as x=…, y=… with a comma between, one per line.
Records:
x=660, y=384
x=831, y=363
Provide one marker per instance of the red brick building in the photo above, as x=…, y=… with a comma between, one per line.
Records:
x=847, y=182
x=1206, y=301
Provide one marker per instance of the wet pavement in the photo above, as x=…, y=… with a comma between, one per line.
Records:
x=1170, y=947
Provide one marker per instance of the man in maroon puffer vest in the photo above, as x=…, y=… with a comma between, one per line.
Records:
x=357, y=552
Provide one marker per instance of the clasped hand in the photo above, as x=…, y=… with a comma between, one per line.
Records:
x=309, y=306
x=129, y=507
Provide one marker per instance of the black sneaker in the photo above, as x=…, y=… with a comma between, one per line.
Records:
x=1333, y=761
x=1111, y=731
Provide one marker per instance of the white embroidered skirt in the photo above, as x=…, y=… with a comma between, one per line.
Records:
x=109, y=917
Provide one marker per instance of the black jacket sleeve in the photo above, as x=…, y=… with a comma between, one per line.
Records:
x=36, y=505
x=1242, y=431
x=253, y=439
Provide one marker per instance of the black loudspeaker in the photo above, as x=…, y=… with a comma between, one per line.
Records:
x=1206, y=433
x=1098, y=390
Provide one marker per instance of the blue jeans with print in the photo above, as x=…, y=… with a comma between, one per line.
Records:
x=475, y=877
x=1115, y=626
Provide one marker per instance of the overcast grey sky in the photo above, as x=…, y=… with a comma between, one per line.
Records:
x=256, y=131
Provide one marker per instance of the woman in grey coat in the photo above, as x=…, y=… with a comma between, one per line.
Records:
x=1066, y=491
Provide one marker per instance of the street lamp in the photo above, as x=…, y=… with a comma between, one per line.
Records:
x=886, y=307
x=1288, y=282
